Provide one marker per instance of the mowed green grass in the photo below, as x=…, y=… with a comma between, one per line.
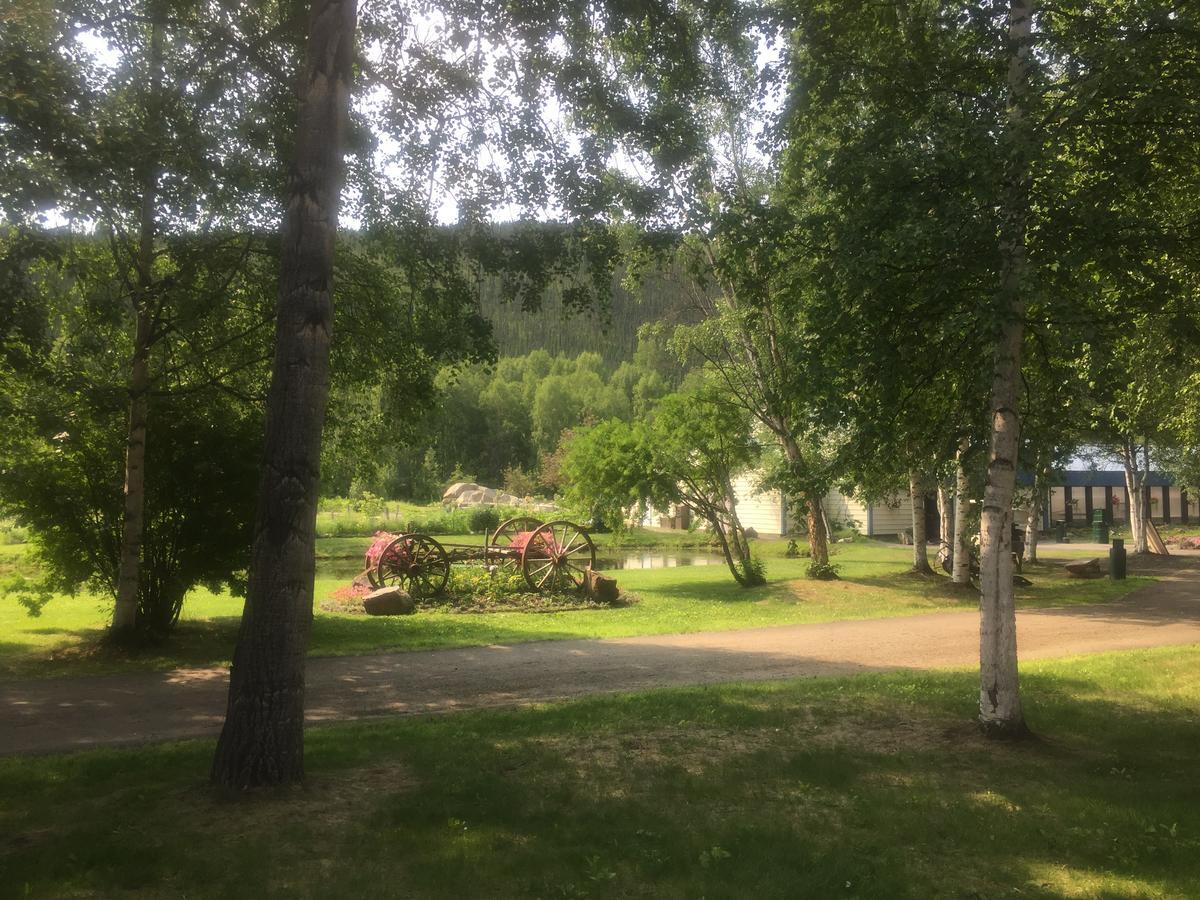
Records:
x=65, y=639
x=875, y=786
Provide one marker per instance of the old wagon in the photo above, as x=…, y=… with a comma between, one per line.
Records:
x=549, y=555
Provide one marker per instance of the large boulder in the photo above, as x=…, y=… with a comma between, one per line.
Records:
x=456, y=490
x=388, y=601
x=1084, y=568
x=466, y=498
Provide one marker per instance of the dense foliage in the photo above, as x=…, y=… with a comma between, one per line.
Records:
x=500, y=425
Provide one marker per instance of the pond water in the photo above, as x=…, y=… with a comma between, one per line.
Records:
x=657, y=561
x=350, y=567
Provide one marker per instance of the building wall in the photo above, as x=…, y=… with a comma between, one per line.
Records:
x=846, y=510
x=761, y=510
x=892, y=517
x=1120, y=505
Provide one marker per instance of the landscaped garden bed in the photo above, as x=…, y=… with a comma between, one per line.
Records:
x=478, y=589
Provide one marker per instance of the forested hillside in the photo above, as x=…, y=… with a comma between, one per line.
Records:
x=610, y=331
x=502, y=424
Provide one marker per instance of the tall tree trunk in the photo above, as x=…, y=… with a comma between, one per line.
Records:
x=916, y=494
x=1135, y=486
x=262, y=742
x=999, y=693
x=945, y=516
x=818, y=537
x=133, y=512
x=961, y=573
x=1031, y=523
x=818, y=534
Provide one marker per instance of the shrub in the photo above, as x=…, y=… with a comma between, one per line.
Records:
x=755, y=572
x=483, y=519
x=822, y=571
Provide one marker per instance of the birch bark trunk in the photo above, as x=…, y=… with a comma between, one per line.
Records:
x=1031, y=522
x=999, y=693
x=945, y=516
x=262, y=742
x=1135, y=487
x=133, y=512
x=916, y=494
x=961, y=573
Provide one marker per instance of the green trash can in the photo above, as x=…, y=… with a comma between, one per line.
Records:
x=1060, y=531
x=1099, y=527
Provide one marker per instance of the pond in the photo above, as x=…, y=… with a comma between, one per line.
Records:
x=658, y=560
x=348, y=568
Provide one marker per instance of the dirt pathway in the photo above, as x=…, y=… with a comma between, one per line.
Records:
x=40, y=716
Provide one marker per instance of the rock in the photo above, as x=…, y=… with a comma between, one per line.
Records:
x=1021, y=581
x=455, y=490
x=751, y=534
x=600, y=587
x=1084, y=568
x=388, y=601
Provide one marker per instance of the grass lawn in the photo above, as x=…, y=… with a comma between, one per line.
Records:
x=872, y=786
x=64, y=639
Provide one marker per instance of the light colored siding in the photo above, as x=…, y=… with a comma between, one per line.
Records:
x=1120, y=504
x=760, y=510
x=892, y=517
x=1057, y=505
x=1176, y=505
x=846, y=510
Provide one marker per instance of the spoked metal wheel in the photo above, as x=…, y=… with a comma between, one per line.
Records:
x=556, y=557
x=500, y=547
x=415, y=562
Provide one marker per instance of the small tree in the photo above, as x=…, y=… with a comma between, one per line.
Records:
x=64, y=479
x=687, y=455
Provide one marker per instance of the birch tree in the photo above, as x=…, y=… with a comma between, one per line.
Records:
x=1000, y=710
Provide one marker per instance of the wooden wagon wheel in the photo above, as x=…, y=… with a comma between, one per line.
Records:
x=502, y=539
x=556, y=556
x=415, y=562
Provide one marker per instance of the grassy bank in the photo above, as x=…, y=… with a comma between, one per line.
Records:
x=874, y=786
x=65, y=638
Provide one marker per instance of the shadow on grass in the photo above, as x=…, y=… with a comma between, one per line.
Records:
x=875, y=786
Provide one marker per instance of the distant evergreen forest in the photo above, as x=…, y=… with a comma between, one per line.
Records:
x=611, y=331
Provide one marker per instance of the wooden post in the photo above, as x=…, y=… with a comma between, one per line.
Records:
x=1067, y=517
x=1108, y=507
x=1166, y=492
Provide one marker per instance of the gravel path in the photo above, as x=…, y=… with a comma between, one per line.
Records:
x=50, y=715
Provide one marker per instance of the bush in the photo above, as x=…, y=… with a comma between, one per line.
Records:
x=755, y=572
x=483, y=519
x=822, y=571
